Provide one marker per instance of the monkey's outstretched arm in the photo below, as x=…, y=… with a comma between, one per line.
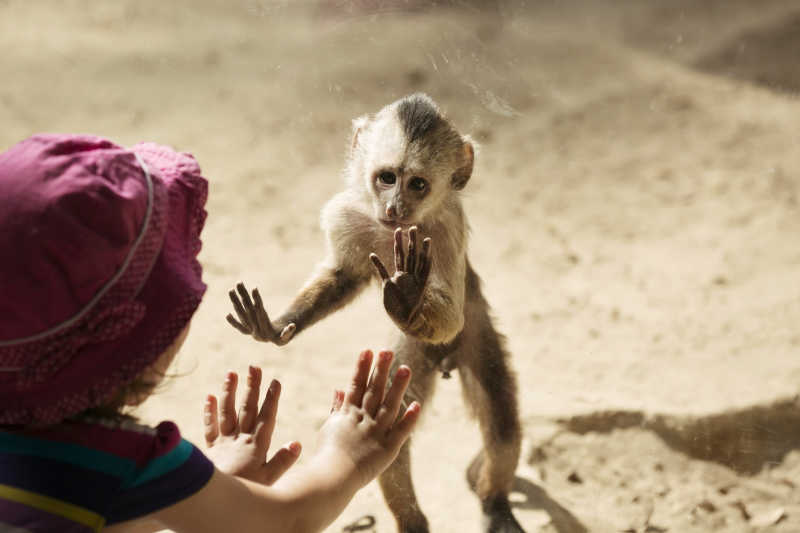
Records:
x=329, y=291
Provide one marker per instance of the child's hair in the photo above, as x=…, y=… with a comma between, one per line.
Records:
x=118, y=407
x=99, y=274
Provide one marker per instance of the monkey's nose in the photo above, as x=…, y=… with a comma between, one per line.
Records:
x=391, y=212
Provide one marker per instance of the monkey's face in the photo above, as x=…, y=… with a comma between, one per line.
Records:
x=402, y=196
x=408, y=179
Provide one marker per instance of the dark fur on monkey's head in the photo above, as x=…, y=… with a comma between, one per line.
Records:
x=409, y=159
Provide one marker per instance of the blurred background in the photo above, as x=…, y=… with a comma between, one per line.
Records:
x=634, y=214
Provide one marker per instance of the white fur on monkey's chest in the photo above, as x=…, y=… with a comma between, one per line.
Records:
x=383, y=242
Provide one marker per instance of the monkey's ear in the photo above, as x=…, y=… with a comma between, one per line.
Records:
x=358, y=125
x=464, y=172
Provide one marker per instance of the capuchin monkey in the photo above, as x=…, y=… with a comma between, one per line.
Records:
x=406, y=168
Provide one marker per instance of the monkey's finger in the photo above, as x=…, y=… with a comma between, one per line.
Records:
x=248, y=414
x=355, y=393
x=421, y=267
x=228, y=423
x=282, y=461
x=261, y=324
x=398, y=250
x=244, y=294
x=259, y=307
x=411, y=261
x=403, y=428
x=387, y=414
x=377, y=383
x=424, y=268
x=237, y=306
x=235, y=323
x=382, y=272
x=247, y=303
x=268, y=415
x=211, y=420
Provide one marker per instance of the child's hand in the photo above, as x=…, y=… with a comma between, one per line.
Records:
x=363, y=432
x=238, y=444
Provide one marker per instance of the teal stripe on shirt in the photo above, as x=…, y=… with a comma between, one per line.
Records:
x=161, y=465
x=68, y=453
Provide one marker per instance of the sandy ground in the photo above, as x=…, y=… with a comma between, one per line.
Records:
x=634, y=214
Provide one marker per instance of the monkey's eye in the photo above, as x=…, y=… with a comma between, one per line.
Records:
x=387, y=178
x=417, y=184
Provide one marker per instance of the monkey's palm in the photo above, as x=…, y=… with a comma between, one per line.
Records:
x=402, y=292
x=402, y=296
x=253, y=318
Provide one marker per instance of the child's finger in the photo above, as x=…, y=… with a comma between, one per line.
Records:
x=403, y=428
x=377, y=383
x=387, y=414
x=210, y=420
x=249, y=410
x=268, y=415
x=280, y=463
x=228, y=424
x=338, y=400
x=355, y=393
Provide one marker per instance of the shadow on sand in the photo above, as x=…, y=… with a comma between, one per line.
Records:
x=745, y=440
x=761, y=56
x=537, y=498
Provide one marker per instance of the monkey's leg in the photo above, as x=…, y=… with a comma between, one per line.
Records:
x=395, y=482
x=490, y=389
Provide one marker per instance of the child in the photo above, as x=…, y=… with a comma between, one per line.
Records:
x=98, y=283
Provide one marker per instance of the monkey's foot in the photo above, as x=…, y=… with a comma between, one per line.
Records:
x=497, y=517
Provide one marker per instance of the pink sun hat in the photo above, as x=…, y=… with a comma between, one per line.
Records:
x=98, y=268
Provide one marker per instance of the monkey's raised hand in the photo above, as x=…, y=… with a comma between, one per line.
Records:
x=402, y=293
x=253, y=318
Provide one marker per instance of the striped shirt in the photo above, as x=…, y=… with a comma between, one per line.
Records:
x=80, y=476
